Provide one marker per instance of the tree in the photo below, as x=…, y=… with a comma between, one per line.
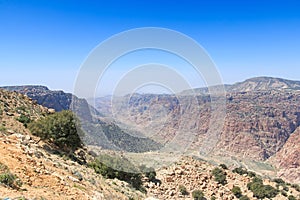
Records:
x=61, y=128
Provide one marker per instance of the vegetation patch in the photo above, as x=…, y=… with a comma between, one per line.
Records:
x=116, y=167
x=220, y=175
x=242, y=171
x=182, y=189
x=198, y=195
x=9, y=179
x=24, y=119
x=60, y=128
x=236, y=191
x=260, y=190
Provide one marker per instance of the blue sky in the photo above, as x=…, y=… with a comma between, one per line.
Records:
x=45, y=42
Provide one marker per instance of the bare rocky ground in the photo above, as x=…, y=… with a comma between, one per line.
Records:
x=197, y=175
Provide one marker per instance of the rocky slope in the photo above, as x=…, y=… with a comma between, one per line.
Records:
x=193, y=174
x=41, y=172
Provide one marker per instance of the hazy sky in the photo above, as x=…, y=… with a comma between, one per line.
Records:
x=45, y=42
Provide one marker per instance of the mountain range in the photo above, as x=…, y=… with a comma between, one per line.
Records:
x=262, y=114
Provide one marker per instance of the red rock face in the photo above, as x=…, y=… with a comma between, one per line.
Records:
x=287, y=160
x=257, y=124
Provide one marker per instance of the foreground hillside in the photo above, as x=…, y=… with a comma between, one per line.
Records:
x=33, y=169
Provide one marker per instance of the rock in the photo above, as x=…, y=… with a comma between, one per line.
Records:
x=78, y=175
x=10, y=131
x=51, y=111
x=9, y=114
x=73, y=179
x=171, y=193
x=169, y=179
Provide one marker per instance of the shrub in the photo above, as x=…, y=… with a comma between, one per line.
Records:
x=148, y=171
x=260, y=190
x=285, y=188
x=291, y=197
x=284, y=193
x=296, y=187
x=223, y=166
x=279, y=181
x=25, y=120
x=240, y=171
x=220, y=175
x=151, y=174
x=182, y=189
x=244, y=197
x=236, y=191
x=213, y=198
x=251, y=174
x=10, y=180
x=198, y=195
x=2, y=128
x=59, y=128
x=118, y=168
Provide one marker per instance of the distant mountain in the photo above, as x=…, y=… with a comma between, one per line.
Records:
x=264, y=84
x=252, y=84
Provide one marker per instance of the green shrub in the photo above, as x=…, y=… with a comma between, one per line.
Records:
x=118, y=168
x=284, y=193
x=279, y=181
x=236, y=191
x=291, y=197
x=260, y=190
x=2, y=128
x=151, y=174
x=148, y=171
x=285, y=188
x=251, y=174
x=10, y=180
x=244, y=197
x=213, y=198
x=220, y=175
x=182, y=189
x=198, y=195
x=240, y=171
x=60, y=128
x=223, y=166
x=25, y=120
x=296, y=187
